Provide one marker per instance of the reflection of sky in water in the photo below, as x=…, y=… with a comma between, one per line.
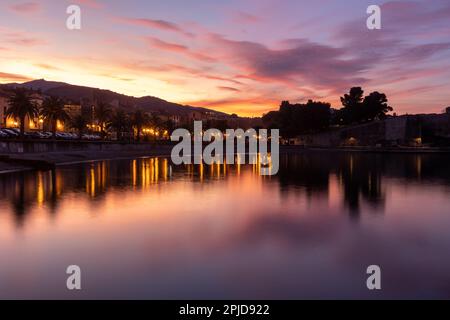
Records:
x=140, y=229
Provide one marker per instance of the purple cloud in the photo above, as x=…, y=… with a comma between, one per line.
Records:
x=303, y=61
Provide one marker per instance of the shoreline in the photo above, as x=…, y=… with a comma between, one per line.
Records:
x=361, y=149
x=16, y=162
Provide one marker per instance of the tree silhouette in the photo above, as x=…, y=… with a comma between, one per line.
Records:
x=20, y=107
x=375, y=106
x=79, y=123
x=119, y=123
x=138, y=120
x=354, y=98
x=102, y=113
x=357, y=109
x=352, y=106
x=295, y=119
x=53, y=110
x=156, y=123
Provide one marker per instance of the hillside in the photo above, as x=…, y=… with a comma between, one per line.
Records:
x=76, y=93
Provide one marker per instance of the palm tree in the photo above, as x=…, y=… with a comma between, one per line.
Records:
x=118, y=122
x=53, y=111
x=156, y=123
x=139, y=119
x=20, y=107
x=79, y=123
x=102, y=115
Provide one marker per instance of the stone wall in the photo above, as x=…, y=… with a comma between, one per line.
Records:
x=437, y=125
x=401, y=130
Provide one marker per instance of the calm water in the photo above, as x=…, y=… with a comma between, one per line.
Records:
x=143, y=229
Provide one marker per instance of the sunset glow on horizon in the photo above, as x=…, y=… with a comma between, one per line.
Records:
x=240, y=57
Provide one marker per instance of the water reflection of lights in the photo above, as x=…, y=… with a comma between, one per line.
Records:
x=354, y=178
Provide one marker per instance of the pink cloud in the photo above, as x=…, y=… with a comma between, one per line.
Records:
x=155, y=24
x=90, y=3
x=225, y=79
x=245, y=18
x=27, y=41
x=163, y=45
x=181, y=70
x=13, y=77
x=46, y=66
x=201, y=57
x=19, y=37
x=224, y=88
x=174, y=47
x=23, y=39
x=26, y=7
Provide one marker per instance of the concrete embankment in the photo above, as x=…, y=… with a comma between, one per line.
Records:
x=17, y=155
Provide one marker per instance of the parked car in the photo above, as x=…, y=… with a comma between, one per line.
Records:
x=34, y=135
x=41, y=135
x=90, y=137
x=47, y=135
x=11, y=133
x=66, y=136
x=14, y=132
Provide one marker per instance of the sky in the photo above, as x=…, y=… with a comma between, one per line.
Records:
x=236, y=56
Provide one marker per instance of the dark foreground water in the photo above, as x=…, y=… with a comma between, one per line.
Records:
x=144, y=229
